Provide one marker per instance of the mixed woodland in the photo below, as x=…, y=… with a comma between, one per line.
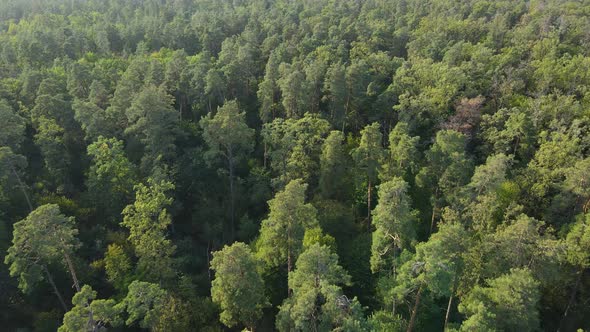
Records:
x=294, y=165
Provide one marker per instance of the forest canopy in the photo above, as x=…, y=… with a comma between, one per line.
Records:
x=294, y=165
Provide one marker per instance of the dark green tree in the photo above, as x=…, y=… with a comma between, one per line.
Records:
x=229, y=137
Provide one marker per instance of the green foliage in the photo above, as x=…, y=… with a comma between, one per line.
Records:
x=369, y=154
x=229, y=137
x=577, y=242
x=89, y=314
x=153, y=121
x=334, y=168
x=447, y=169
x=509, y=303
x=12, y=127
x=395, y=223
x=317, y=302
x=148, y=220
x=486, y=205
x=111, y=177
x=237, y=287
x=144, y=304
x=402, y=155
x=45, y=236
x=117, y=266
x=50, y=139
x=294, y=147
x=282, y=233
x=315, y=235
x=443, y=144
x=226, y=132
x=443, y=259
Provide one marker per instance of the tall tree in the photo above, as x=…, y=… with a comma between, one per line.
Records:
x=335, y=167
x=402, y=153
x=148, y=220
x=281, y=234
x=153, y=121
x=269, y=91
x=237, y=287
x=45, y=236
x=51, y=141
x=447, y=170
x=357, y=81
x=395, y=223
x=317, y=303
x=12, y=136
x=294, y=90
x=368, y=157
x=128, y=86
x=335, y=93
x=227, y=135
x=12, y=127
x=145, y=302
x=485, y=207
x=443, y=260
x=11, y=166
x=111, y=177
x=578, y=255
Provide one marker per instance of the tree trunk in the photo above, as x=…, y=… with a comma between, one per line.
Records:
x=415, y=310
x=572, y=298
x=180, y=108
x=433, y=217
x=369, y=203
x=289, y=262
x=516, y=145
x=434, y=207
x=449, y=308
x=231, y=194
x=394, y=270
x=72, y=270
x=450, y=302
x=345, y=112
x=265, y=155
x=55, y=290
x=21, y=185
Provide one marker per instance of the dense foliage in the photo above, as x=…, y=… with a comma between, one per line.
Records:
x=308, y=165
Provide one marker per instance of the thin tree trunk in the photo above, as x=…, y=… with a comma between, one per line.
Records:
x=21, y=185
x=448, y=311
x=231, y=194
x=55, y=290
x=415, y=310
x=72, y=270
x=180, y=110
x=394, y=270
x=289, y=262
x=450, y=302
x=433, y=217
x=572, y=298
x=369, y=203
x=265, y=155
x=434, y=207
x=345, y=112
x=516, y=145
